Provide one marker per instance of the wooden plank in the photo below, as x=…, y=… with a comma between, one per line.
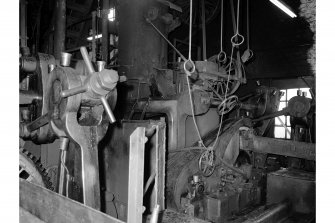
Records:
x=136, y=173
x=52, y=207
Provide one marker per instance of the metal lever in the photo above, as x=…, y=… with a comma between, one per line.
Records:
x=73, y=91
x=272, y=115
x=108, y=110
x=86, y=58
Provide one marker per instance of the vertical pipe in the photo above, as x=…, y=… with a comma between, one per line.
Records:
x=105, y=35
x=203, y=23
x=94, y=32
x=59, y=44
x=23, y=26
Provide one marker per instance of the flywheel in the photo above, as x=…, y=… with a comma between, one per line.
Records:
x=32, y=170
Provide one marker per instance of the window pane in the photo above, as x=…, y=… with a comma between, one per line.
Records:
x=307, y=91
x=277, y=122
x=283, y=98
x=282, y=105
x=279, y=132
x=288, y=123
x=288, y=136
x=291, y=93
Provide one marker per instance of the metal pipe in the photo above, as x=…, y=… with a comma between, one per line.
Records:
x=23, y=25
x=94, y=32
x=60, y=28
x=108, y=110
x=27, y=97
x=105, y=36
x=203, y=20
x=272, y=214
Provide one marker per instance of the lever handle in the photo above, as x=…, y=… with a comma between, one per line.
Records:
x=73, y=91
x=284, y=111
x=108, y=110
x=87, y=60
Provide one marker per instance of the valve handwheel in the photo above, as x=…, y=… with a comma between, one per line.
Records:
x=227, y=105
x=206, y=163
x=97, y=85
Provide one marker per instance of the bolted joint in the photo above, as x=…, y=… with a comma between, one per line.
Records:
x=108, y=79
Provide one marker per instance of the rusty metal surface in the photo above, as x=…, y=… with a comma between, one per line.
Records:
x=296, y=186
x=52, y=207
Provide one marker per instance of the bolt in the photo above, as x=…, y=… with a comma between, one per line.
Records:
x=108, y=79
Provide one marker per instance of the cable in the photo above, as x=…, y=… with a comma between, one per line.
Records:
x=67, y=173
x=248, y=36
x=219, y=58
x=234, y=38
x=188, y=73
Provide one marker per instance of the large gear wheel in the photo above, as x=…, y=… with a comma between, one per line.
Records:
x=32, y=170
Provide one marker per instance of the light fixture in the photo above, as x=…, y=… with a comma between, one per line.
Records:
x=111, y=15
x=284, y=8
x=90, y=38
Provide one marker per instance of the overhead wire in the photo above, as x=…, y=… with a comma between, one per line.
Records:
x=219, y=58
x=188, y=73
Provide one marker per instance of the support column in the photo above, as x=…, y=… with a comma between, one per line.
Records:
x=105, y=34
x=60, y=28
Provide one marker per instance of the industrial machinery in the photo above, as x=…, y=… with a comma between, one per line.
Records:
x=207, y=154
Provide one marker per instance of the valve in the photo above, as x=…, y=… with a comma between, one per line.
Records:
x=97, y=85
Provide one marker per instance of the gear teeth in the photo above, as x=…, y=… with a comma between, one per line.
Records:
x=41, y=169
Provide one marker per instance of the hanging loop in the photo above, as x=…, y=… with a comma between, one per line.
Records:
x=189, y=67
x=222, y=57
x=237, y=39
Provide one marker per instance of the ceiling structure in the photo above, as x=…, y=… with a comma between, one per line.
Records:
x=279, y=43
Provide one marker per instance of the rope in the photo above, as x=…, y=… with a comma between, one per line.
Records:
x=189, y=73
x=234, y=38
x=222, y=54
x=209, y=153
x=248, y=36
x=67, y=174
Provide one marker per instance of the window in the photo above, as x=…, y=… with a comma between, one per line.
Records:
x=111, y=15
x=282, y=123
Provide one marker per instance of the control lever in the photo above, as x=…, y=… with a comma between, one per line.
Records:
x=97, y=85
